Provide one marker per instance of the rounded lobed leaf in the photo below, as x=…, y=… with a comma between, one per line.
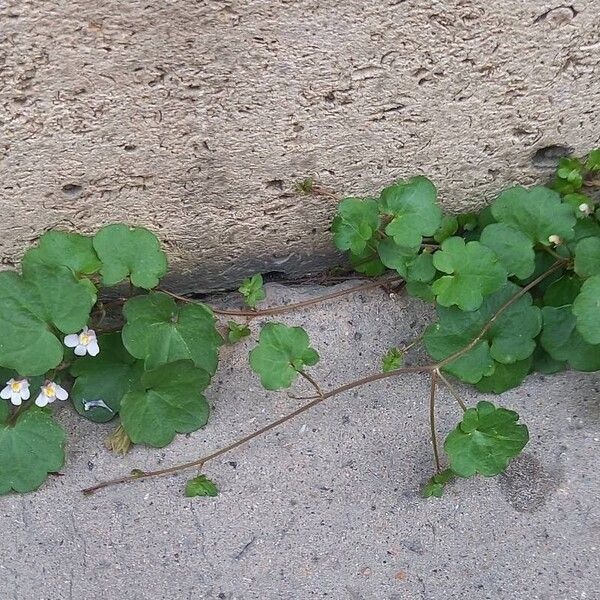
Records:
x=367, y=262
x=355, y=223
x=562, y=291
x=586, y=309
x=474, y=271
x=414, y=211
x=63, y=249
x=537, y=212
x=563, y=342
x=158, y=332
x=513, y=248
x=281, y=352
x=168, y=401
x=30, y=305
x=29, y=450
x=394, y=256
x=447, y=228
x=132, y=252
x=587, y=257
x=485, y=441
x=103, y=380
x=505, y=377
x=510, y=337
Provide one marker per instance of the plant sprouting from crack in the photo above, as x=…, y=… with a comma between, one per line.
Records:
x=516, y=288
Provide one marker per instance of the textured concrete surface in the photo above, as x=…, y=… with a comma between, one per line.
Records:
x=196, y=118
x=327, y=506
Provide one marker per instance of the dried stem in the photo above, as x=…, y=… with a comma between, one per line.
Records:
x=202, y=461
x=434, y=442
x=433, y=369
x=311, y=381
x=452, y=390
x=277, y=310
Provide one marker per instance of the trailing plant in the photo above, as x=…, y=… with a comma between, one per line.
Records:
x=516, y=288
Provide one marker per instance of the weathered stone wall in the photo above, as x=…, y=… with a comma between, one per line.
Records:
x=195, y=118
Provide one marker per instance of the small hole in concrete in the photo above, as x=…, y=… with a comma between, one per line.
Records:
x=72, y=190
x=549, y=156
x=129, y=147
x=275, y=184
x=274, y=276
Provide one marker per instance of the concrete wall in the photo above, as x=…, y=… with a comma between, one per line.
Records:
x=196, y=118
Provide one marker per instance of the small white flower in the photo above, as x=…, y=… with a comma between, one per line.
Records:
x=555, y=239
x=49, y=392
x=16, y=391
x=585, y=209
x=84, y=343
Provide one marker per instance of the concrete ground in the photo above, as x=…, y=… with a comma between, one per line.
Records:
x=328, y=505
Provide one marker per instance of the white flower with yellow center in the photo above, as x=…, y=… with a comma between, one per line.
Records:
x=49, y=392
x=16, y=391
x=84, y=342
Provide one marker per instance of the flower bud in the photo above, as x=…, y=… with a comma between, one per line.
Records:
x=554, y=239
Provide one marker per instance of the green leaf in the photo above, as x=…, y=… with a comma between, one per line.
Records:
x=586, y=309
x=513, y=248
x=587, y=257
x=593, y=161
x=420, y=290
x=575, y=201
x=537, y=212
x=392, y=360
x=132, y=252
x=30, y=306
x=4, y=406
x=414, y=211
x=281, y=352
x=394, y=256
x=544, y=363
x=436, y=485
x=355, y=223
x=485, y=441
x=584, y=228
x=305, y=186
x=169, y=401
x=420, y=268
x=29, y=450
x=470, y=220
x=252, y=289
x=509, y=339
x=106, y=377
x=570, y=170
x=474, y=271
x=63, y=249
x=159, y=332
x=447, y=228
x=236, y=331
x=543, y=262
x=505, y=377
x=562, y=291
x=201, y=486
x=367, y=262
x=563, y=342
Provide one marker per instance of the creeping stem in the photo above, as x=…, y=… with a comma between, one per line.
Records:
x=277, y=310
x=433, y=369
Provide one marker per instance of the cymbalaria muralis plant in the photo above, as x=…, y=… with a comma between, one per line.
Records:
x=516, y=287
